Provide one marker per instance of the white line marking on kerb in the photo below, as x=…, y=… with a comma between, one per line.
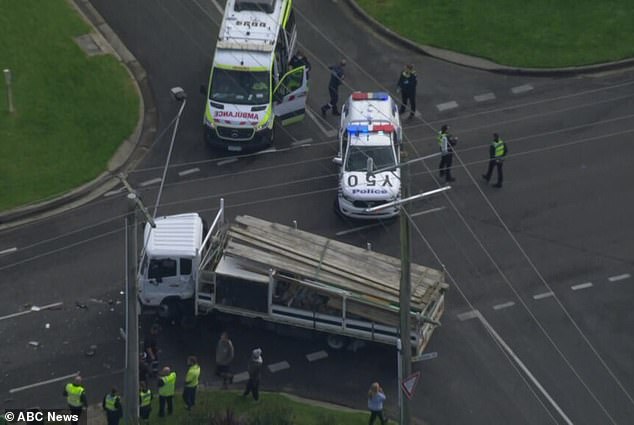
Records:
x=240, y=377
x=543, y=295
x=187, y=172
x=521, y=89
x=227, y=161
x=113, y=192
x=446, y=106
x=427, y=211
x=276, y=367
x=8, y=251
x=582, y=286
x=32, y=310
x=149, y=182
x=302, y=142
x=39, y=384
x=328, y=133
x=503, y=305
x=484, y=97
x=317, y=355
x=467, y=315
x=619, y=277
x=528, y=373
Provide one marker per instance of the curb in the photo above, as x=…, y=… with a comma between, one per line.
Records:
x=129, y=153
x=481, y=63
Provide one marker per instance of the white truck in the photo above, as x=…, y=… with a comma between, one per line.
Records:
x=370, y=137
x=283, y=276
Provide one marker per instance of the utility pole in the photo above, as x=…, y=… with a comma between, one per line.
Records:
x=131, y=378
x=405, y=294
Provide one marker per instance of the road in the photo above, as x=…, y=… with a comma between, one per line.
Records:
x=546, y=261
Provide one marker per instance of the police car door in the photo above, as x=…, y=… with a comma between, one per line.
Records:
x=289, y=97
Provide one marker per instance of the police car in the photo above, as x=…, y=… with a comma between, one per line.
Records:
x=369, y=144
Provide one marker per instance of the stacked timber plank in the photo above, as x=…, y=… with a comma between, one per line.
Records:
x=370, y=277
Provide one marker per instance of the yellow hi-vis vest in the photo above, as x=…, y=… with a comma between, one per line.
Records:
x=169, y=384
x=499, y=148
x=145, y=398
x=74, y=393
x=111, y=402
x=193, y=373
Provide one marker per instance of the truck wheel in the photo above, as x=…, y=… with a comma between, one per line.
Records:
x=336, y=342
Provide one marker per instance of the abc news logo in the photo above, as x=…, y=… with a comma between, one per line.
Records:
x=41, y=416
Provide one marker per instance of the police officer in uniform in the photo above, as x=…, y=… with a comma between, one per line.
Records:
x=336, y=77
x=112, y=405
x=446, y=143
x=497, y=152
x=145, y=402
x=407, y=86
x=75, y=397
x=167, y=386
x=191, y=382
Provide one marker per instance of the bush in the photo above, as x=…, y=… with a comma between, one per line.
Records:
x=274, y=415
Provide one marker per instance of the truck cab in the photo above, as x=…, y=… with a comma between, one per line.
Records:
x=370, y=137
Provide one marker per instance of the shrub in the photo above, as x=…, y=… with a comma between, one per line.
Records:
x=273, y=415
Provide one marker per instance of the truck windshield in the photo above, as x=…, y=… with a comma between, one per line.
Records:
x=357, y=159
x=240, y=87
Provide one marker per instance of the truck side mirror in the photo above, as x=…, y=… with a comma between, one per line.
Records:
x=337, y=160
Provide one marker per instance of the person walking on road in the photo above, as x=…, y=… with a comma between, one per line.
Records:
x=255, y=371
x=145, y=402
x=167, y=386
x=336, y=77
x=407, y=86
x=75, y=397
x=376, y=398
x=446, y=143
x=112, y=405
x=497, y=152
x=191, y=382
x=224, y=357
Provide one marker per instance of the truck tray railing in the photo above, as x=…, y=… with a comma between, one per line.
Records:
x=213, y=230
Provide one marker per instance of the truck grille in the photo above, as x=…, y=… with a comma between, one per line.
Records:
x=233, y=133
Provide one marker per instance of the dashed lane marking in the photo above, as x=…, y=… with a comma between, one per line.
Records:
x=521, y=89
x=240, y=377
x=302, y=142
x=446, y=106
x=543, y=295
x=276, y=367
x=484, y=97
x=8, y=250
x=356, y=229
x=619, y=277
x=113, y=192
x=33, y=309
x=582, y=286
x=188, y=172
x=468, y=315
x=265, y=151
x=503, y=305
x=317, y=355
x=227, y=161
x=149, y=182
x=39, y=384
x=427, y=211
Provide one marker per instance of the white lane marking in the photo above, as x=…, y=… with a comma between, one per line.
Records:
x=543, y=295
x=113, y=192
x=581, y=286
x=521, y=89
x=240, y=377
x=427, y=211
x=302, y=142
x=317, y=355
x=187, y=172
x=32, y=310
x=521, y=365
x=269, y=150
x=484, y=97
x=328, y=133
x=227, y=161
x=503, y=305
x=468, y=315
x=39, y=384
x=446, y=106
x=8, y=251
x=149, y=182
x=276, y=367
x=218, y=7
x=356, y=229
x=619, y=277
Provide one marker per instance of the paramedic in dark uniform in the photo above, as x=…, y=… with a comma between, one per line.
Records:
x=336, y=76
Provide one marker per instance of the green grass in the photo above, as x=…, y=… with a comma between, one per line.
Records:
x=72, y=111
x=208, y=402
x=531, y=33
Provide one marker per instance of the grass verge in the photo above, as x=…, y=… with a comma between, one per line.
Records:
x=72, y=111
x=537, y=33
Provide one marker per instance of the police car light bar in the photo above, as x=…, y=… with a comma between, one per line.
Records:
x=359, y=129
x=369, y=96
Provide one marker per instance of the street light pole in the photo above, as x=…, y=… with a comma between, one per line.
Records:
x=405, y=292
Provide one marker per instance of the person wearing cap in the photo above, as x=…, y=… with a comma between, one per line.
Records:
x=497, y=152
x=407, y=86
x=191, y=382
x=75, y=397
x=112, y=405
x=166, y=388
x=336, y=77
x=298, y=60
x=255, y=370
x=446, y=143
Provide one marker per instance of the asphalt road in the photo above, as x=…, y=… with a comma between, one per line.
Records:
x=547, y=260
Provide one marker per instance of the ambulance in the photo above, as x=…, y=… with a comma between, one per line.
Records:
x=370, y=138
x=251, y=85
